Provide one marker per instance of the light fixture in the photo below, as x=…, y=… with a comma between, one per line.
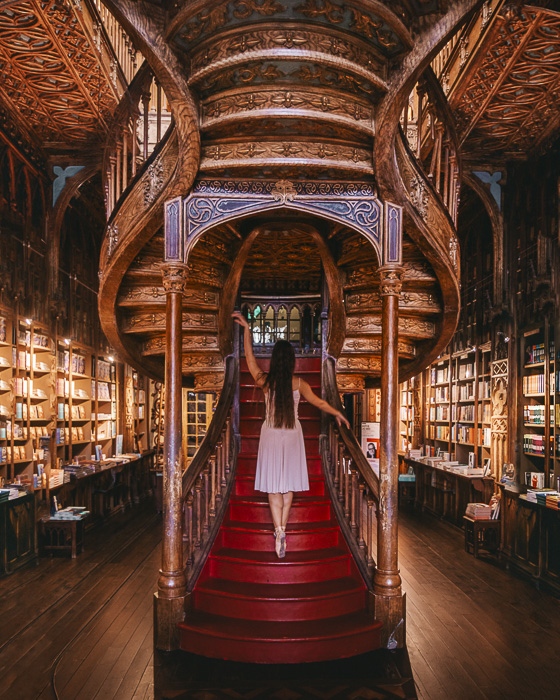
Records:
x=29, y=321
x=111, y=358
x=67, y=341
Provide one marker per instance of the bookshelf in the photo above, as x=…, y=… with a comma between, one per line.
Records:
x=458, y=405
x=538, y=408
x=141, y=386
x=407, y=415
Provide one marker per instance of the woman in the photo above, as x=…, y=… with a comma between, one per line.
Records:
x=281, y=461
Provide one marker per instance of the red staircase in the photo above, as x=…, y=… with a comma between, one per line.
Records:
x=250, y=606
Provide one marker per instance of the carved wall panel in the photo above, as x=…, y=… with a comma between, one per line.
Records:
x=499, y=453
x=365, y=364
x=156, y=346
x=155, y=322
x=419, y=302
x=203, y=362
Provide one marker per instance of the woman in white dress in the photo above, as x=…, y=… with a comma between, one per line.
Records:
x=281, y=461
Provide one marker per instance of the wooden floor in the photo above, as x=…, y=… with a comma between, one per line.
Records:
x=82, y=629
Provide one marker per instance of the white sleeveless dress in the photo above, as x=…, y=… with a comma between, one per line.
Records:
x=281, y=461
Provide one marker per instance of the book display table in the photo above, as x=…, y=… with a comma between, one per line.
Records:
x=62, y=536
x=481, y=534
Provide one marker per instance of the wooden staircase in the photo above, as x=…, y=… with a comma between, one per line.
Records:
x=250, y=606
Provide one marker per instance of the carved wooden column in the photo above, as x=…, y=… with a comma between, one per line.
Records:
x=172, y=586
x=389, y=603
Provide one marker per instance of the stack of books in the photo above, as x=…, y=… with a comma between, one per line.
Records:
x=539, y=495
x=553, y=501
x=478, y=511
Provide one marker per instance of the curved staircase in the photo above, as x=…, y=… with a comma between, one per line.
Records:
x=250, y=606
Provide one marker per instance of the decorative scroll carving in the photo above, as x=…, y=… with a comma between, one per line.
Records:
x=373, y=345
x=408, y=301
x=174, y=277
x=284, y=191
x=418, y=194
x=412, y=327
x=232, y=154
x=156, y=346
x=209, y=381
x=245, y=103
x=366, y=363
x=134, y=296
x=216, y=201
x=368, y=25
x=141, y=323
x=200, y=363
x=351, y=382
x=289, y=42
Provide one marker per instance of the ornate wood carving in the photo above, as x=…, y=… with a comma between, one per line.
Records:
x=156, y=345
x=381, y=30
x=408, y=326
x=355, y=364
x=409, y=302
x=506, y=104
x=213, y=202
x=155, y=322
x=64, y=101
x=372, y=344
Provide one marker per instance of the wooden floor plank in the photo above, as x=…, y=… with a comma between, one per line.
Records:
x=474, y=631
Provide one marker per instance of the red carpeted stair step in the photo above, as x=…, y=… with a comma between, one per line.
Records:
x=302, y=537
x=250, y=606
x=280, y=642
x=279, y=602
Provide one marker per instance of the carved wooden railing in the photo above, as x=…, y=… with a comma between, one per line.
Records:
x=353, y=485
x=140, y=122
x=428, y=126
x=209, y=478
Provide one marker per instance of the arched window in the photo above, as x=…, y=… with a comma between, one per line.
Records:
x=295, y=325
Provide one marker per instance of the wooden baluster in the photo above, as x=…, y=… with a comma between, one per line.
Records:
x=227, y=443
x=206, y=499
x=125, y=158
x=346, y=463
x=146, y=96
x=197, y=512
x=113, y=179
x=213, y=464
x=354, y=504
x=340, y=465
x=369, y=533
x=189, y=534
x=158, y=111
x=334, y=457
x=134, y=155
x=420, y=91
x=119, y=170
x=362, y=518
x=439, y=140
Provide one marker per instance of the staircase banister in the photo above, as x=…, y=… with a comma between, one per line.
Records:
x=216, y=427
x=352, y=446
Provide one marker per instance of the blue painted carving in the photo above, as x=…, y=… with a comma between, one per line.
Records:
x=214, y=201
x=393, y=233
x=173, y=233
x=492, y=179
x=62, y=174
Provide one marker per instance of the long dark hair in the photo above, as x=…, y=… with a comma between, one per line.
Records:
x=278, y=382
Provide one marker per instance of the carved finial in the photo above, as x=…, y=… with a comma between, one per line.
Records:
x=390, y=280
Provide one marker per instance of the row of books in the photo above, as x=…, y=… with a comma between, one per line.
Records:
x=17, y=452
x=64, y=411
x=536, y=414
x=535, y=384
x=535, y=444
x=463, y=392
x=64, y=364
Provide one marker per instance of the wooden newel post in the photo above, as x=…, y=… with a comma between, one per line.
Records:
x=389, y=601
x=172, y=585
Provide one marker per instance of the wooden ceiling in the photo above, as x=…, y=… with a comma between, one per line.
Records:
x=507, y=99
x=55, y=95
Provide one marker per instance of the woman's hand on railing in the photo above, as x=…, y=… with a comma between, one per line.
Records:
x=341, y=419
